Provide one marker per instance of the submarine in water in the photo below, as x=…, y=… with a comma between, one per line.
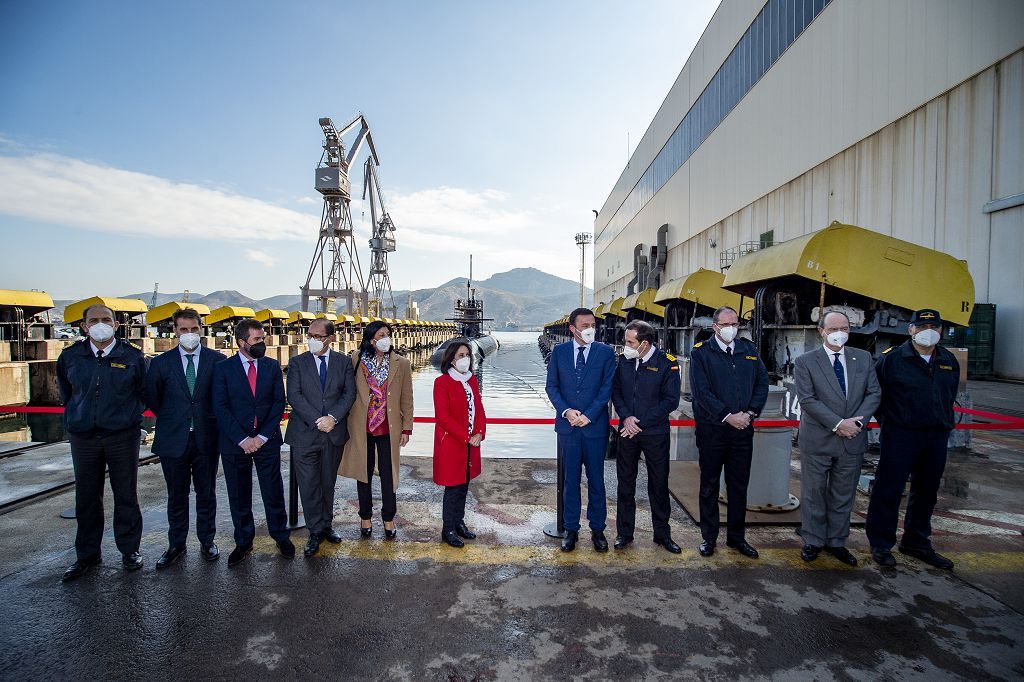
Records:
x=469, y=317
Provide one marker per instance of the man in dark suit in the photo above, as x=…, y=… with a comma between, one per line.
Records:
x=321, y=389
x=645, y=390
x=248, y=399
x=579, y=385
x=838, y=392
x=178, y=392
x=730, y=387
x=102, y=383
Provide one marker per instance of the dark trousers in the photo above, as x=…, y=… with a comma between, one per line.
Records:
x=655, y=449
x=920, y=455
x=317, y=474
x=579, y=453
x=721, y=446
x=453, y=506
x=193, y=469
x=238, y=477
x=378, y=448
x=92, y=454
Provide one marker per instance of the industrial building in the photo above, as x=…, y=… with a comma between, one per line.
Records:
x=904, y=117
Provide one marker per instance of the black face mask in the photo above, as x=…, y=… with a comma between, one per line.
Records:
x=258, y=350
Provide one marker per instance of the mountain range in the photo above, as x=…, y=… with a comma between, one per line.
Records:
x=527, y=297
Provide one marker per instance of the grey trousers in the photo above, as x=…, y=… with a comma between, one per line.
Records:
x=828, y=486
x=317, y=473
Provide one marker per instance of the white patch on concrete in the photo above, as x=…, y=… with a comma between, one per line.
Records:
x=274, y=603
x=263, y=650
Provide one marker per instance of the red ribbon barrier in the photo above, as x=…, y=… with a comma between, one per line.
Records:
x=1005, y=422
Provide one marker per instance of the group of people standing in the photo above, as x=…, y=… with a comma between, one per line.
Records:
x=910, y=390
x=352, y=414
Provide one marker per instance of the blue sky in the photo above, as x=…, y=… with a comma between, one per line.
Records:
x=175, y=143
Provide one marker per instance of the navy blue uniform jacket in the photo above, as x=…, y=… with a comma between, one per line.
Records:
x=235, y=405
x=917, y=394
x=107, y=393
x=649, y=393
x=176, y=409
x=591, y=396
x=724, y=384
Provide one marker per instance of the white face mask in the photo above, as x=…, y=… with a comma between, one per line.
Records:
x=927, y=338
x=462, y=364
x=838, y=339
x=383, y=344
x=727, y=333
x=101, y=332
x=314, y=345
x=630, y=353
x=189, y=341
x=588, y=335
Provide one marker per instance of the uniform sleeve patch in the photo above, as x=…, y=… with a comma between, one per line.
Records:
x=674, y=368
x=670, y=357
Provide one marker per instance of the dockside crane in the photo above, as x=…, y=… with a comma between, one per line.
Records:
x=382, y=242
x=336, y=257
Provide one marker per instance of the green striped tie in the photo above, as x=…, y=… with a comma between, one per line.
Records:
x=190, y=374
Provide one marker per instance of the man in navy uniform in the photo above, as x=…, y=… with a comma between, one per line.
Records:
x=321, y=390
x=579, y=385
x=730, y=387
x=102, y=385
x=919, y=381
x=248, y=399
x=179, y=392
x=645, y=390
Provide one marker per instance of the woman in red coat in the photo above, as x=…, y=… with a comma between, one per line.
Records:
x=459, y=428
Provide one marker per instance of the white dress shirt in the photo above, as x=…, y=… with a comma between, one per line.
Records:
x=647, y=356
x=195, y=358
x=842, y=361
x=245, y=368
x=726, y=347
x=576, y=345
x=106, y=351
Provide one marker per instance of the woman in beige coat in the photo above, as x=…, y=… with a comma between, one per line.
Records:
x=379, y=424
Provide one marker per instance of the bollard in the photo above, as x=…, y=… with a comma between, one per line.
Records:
x=557, y=529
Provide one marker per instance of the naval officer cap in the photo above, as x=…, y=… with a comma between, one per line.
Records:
x=926, y=316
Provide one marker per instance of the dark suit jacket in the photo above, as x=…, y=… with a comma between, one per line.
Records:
x=649, y=393
x=168, y=398
x=236, y=406
x=309, y=402
x=591, y=396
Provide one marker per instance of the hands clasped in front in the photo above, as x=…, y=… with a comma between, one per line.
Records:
x=848, y=427
x=577, y=418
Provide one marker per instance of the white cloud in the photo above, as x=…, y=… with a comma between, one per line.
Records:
x=258, y=256
x=73, y=192
x=309, y=201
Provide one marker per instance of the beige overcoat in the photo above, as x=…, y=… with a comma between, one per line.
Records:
x=399, y=406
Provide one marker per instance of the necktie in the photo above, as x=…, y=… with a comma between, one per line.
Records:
x=838, y=367
x=323, y=372
x=581, y=364
x=251, y=375
x=190, y=373
x=728, y=351
x=99, y=354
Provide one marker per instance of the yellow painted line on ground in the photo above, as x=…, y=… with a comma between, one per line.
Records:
x=635, y=556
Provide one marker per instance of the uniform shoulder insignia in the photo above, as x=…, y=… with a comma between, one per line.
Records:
x=670, y=357
x=887, y=350
x=698, y=344
x=134, y=345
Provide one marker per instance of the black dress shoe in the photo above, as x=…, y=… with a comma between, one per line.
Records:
x=332, y=536
x=211, y=552
x=238, y=553
x=810, y=552
x=929, y=556
x=599, y=540
x=391, y=534
x=668, y=544
x=706, y=548
x=452, y=538
x=744, y=548
x=286, y=548
x=883, y=557
x=170, y=556
x=80, y=568
x=312, y=547
x=843, y=555
x=569, y=541
x=621, y=542
x=132, y=561
x=464, y=532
